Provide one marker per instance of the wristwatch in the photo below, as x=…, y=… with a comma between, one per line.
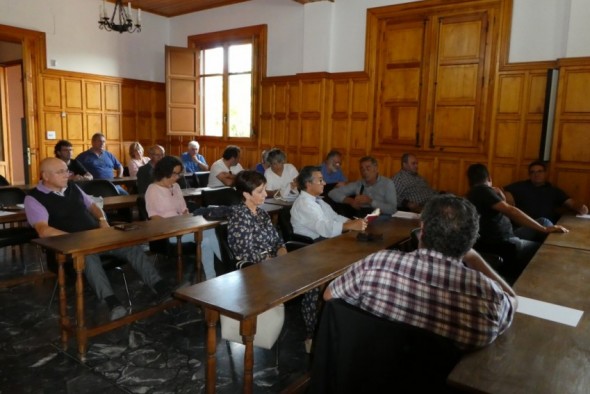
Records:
x=102, y=218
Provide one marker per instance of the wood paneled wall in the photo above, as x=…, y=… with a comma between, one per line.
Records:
x=307, y=115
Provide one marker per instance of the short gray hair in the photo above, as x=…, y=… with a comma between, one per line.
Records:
x=276, y=155
x=450, y=225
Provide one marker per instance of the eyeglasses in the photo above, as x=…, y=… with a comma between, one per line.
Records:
x=318, y=180
x=177, y=174
x=62, y=172
x=536, y=172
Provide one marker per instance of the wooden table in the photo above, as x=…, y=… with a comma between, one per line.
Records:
x=577, y=238
x=282, y=203
x=78, y=245
x=536, y=355
x=245, y=294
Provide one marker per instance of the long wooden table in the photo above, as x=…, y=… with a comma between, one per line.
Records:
x=114, y=202
x=78, y=245
x=536, y=355
x=245, y=294
x=577, y=238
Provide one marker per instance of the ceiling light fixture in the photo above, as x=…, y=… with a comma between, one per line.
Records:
x=121, y=20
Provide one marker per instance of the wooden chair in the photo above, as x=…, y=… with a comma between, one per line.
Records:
x=14, y=234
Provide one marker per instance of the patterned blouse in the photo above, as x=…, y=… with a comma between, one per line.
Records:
x=252, y=237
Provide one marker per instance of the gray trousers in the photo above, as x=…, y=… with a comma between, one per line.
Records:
x=135, y=255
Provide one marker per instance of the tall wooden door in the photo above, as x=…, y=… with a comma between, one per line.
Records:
x=458, y=82
x=432, y=82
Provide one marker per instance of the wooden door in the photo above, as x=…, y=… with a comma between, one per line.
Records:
x=401, y=83
x=182, y=91
x=459, y=82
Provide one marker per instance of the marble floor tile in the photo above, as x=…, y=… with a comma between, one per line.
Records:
x=160, y=354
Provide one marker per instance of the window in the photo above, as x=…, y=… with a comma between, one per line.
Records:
x=230, y=68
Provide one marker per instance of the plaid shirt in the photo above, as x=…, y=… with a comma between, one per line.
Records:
x=428, y=290
x=412, y=187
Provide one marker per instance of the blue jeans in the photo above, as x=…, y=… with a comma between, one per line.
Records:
x=532, y=235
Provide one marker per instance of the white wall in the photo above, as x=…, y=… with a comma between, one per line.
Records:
x=324, y=36
x=76, y=44
x=285, y=29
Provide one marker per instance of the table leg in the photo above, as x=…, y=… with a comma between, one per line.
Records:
x=179, y=265
x=63, y=304
x=81, y=331
x=198, y=263
x=211, y=317
x=248, y=330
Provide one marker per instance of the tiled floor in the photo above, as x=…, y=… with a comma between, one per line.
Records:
x=161, y=354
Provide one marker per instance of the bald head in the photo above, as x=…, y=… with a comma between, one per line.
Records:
x=156, y=152
x=54, y=173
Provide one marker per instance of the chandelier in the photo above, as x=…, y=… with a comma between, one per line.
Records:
x=121, y=20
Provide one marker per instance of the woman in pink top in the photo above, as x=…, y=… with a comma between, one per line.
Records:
x=137, y=158
x=164, y=199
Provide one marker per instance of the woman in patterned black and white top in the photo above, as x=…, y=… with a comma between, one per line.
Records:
x=251, y=234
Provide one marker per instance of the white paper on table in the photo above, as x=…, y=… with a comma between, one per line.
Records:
x=583, y=216
x=406, y=215
x=6, y=213
x=548, y=311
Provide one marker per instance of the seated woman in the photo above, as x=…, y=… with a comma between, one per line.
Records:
x=164, y=199
x=137, y=158
x=252, y=237
x=251, y=234
x=281, y=176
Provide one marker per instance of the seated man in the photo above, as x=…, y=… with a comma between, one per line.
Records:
x=372, y=191
x=100, y=162
x=311, y=216
x=412, y=190
x=223, y=171
x=314, y=218
x=495, y=228
x=540, y=199
x=332, y=169
x=192, y=160
x=57, y=207
x=63, y=150
x=145, y=174
x=444, y=286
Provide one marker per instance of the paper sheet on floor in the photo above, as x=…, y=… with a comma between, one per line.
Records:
x=548, y=311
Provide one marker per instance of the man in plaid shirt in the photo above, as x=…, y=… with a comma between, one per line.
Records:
x=444, y=286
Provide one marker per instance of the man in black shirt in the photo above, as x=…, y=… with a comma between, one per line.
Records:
x=495, y=227
x=63, y=150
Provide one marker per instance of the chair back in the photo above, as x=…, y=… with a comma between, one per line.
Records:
x=12, y=196
x=223, y=196
x=202, y=178
x=284, y=223
x=4, y=181
x=358, y=352
x=228, y=258
x=141, y=208
x=100, y=188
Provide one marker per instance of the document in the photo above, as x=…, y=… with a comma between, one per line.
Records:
x=548, y=311
x=406, y=215
x=583, y=216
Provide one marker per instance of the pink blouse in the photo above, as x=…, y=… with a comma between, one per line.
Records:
x=164, y=202
x=134, y=165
